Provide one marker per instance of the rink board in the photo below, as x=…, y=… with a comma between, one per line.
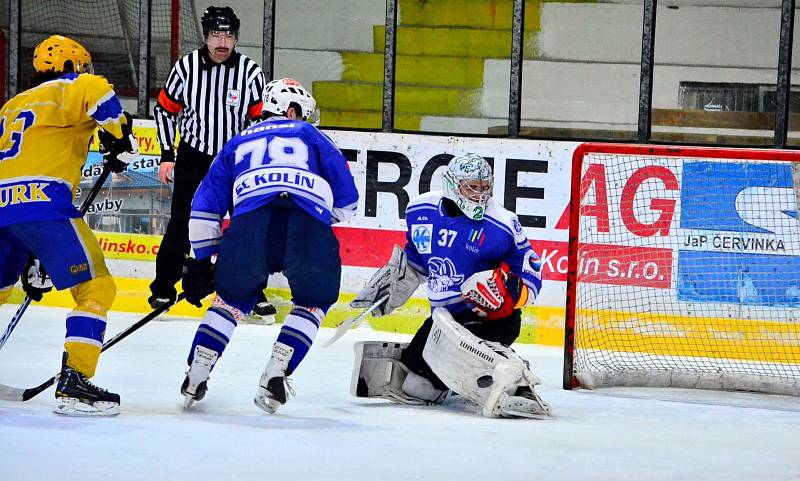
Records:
x=541, y=325
x=532, y=178
x=685, y=336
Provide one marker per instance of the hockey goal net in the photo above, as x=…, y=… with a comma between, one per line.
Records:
x=684, y=269
x=110, y=31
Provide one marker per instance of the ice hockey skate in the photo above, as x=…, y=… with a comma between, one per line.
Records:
x=156, y=302
x=77, y=396
x=512, y=394
x=274, y=384
x=525, y=403
x=262, y=313
x=195, y=384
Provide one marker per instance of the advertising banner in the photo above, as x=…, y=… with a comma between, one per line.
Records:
x=531, y=178
x=661, y=235
x=739, y=237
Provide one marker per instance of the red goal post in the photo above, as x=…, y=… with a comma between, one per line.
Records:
x=684, y=268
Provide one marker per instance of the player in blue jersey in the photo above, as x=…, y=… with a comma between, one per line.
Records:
x=479, y=269
x=44, y=139
x=286, y=183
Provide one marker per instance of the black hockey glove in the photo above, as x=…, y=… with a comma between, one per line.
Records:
x=118, y=153
x=198, y=279
x=35, y=281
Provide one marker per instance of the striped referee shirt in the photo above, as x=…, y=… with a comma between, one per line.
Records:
x=207, y=102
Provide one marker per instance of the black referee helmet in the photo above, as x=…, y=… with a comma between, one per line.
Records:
x=219, y=19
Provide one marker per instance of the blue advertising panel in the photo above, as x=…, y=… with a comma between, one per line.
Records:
x=759, y=279
x=730, y=270
x=709, y=190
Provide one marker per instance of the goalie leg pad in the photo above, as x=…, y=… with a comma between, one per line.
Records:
x=512, y=393
x=378, y=372
x=487, y=373
x=419, y=389
x=377, y=367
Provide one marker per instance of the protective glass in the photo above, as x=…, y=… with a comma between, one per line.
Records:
x=313, y=117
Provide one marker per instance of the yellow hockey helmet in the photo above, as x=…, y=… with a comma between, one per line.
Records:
x=52, y=54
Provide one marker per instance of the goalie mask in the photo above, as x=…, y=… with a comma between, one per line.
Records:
x=61, y=54
x=280, y=94
x=468, y=182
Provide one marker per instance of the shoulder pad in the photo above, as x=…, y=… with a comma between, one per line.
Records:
x=432, y=197
x=503, y=216
x=94, y=81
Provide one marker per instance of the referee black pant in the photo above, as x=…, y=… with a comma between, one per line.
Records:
x=191, y=166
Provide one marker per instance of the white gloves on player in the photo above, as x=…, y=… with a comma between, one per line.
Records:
x=396, y=279
x=488, y=293
x=35, y=280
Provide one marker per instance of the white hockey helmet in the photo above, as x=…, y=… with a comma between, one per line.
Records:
x=468, y=182
x=280, y=94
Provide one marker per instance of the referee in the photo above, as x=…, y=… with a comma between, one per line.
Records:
x=211, y=95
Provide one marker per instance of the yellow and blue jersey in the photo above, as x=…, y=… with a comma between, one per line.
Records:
x=44, y=140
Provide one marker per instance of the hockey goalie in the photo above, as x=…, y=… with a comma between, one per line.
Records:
x=479, y=270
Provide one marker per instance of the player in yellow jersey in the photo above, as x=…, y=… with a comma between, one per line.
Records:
x=44, y=140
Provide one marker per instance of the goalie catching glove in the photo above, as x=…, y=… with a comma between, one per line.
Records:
x=396, y=279
x=35, y=280
x=118, y=153
x=494, y=294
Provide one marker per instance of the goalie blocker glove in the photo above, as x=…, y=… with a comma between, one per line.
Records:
x=118, y=153
x=494, y=294
x=35, y=280
x=396, y=279
x=198, y=279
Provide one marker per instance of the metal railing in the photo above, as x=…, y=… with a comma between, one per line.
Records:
x=645, y=104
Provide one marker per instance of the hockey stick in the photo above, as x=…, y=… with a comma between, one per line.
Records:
x=10, y=393
x=84, y=208
x=350, y=322
x=14, y=320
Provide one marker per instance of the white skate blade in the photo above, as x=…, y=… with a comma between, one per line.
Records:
x=266, y=403
x=258, y=320
x=188, y=401
x=69, y=406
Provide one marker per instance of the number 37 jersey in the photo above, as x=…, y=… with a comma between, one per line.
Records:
x=273, y=158
x=449, y=249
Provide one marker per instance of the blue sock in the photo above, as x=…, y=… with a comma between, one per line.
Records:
x=214, y=332
x=299, y=330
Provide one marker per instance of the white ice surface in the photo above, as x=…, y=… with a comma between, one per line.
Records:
x=325, y=434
